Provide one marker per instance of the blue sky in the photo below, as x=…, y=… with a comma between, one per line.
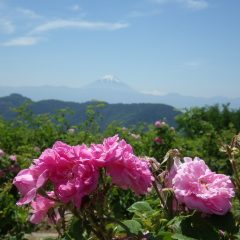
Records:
x=187, y=46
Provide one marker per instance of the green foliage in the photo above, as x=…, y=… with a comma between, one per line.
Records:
x=200, y=132
x=211, y=227
x=13, y=223
x=165, y=139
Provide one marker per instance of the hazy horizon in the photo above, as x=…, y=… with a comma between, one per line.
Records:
x=189, y=47
x=139, y=91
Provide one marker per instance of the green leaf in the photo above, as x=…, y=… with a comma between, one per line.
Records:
x=140, y=207
x=237, y=236
x=179, y=236
x=199, y=227
x=164, y=235
x=175, y=224
x=75, y=230
x=133, y=227
x=225, y=223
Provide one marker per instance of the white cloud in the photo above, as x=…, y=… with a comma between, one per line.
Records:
x=28, y=13
x=6, y=26
x=61, y=24
x=32, y=38
x=41, y=25
x=21, y=41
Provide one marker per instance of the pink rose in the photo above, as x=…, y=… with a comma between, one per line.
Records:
x=131, y=172
x=71, y=171
x=40, y=207
x=13, y=158
x=107, y=152
x=82, y=182
x=199, y=188
x=58, y=161
x=79, y=177
x=126, y=170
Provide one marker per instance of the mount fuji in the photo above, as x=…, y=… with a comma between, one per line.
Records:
x=110, y=89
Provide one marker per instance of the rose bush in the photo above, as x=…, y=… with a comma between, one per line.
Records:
x=79, y=176
x=96, y=190
x=72, y=173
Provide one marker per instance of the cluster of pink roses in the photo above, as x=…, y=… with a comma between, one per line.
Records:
x=73, y=173
x=195, y=185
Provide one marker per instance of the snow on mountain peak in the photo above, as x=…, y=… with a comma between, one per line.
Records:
x=110, y=78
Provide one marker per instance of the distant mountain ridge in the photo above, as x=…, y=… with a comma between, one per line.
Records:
x=125, y=114
x=113, y=91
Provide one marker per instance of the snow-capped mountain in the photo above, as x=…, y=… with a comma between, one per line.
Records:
x=109, y=82
x=112, y=90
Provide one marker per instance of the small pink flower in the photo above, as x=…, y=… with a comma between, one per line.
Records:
x=158, y=124
x=37, y=149
x=199, y=188
x=158, y=140
x=13, y=158
x=2, y=153
x=40, y=207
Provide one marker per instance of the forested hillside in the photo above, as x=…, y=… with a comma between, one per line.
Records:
x=124, y=114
